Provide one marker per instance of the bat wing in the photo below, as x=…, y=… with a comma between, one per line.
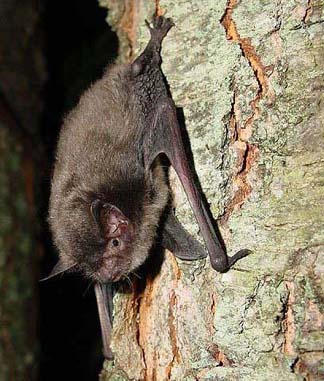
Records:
x=164, y=136
x=176, y=239
x=59, y=268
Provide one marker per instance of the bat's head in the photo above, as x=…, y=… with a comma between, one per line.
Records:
x=117, y=240
x=96, y=237
x=104, y=232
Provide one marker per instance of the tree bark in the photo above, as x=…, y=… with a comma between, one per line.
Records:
x=249, y=77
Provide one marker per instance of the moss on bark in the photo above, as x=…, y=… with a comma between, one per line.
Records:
x=249, y=77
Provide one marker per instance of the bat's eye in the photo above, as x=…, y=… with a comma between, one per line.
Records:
x=115, y=242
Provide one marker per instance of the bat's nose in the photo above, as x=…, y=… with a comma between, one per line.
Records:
x=111, y=269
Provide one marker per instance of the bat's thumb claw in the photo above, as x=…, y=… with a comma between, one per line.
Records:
x=239, y=255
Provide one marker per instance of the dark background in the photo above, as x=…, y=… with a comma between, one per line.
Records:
x=50, y=52
x=78, y=46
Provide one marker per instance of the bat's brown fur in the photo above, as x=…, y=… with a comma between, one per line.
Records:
x=109, y=189
x=99, y=157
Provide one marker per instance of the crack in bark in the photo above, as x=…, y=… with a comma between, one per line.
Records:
x=211, y=315
x=308, y=12
x=159, y=11
x=293, y=365
x=247, y=49
x=173, y=335
x=135, y=306
x=249, y=301
x=171, y=322
x=128, y=24
x=289, y=320
x=220, y=356
x=144, y=302
x=247, y=153
x=213, y=304
x=305, y=19
x=305, y=366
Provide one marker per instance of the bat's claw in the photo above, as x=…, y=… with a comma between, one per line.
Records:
x=239, y=255
x=161, y=26
x=162, y=23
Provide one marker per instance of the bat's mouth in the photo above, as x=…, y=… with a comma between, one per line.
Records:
x=113, y=268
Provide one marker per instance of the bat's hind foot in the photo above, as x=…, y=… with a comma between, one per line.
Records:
x=151, y=55
x=161, y=26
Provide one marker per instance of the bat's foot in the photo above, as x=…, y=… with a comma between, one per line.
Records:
x=161, y=26
x=151, y=55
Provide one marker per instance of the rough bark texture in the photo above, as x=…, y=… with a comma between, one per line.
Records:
x=249, y=76
x=21, y=78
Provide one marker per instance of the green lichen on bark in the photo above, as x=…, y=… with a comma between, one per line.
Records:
x=249, y=77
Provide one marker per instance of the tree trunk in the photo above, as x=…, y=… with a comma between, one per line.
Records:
x=248, y=76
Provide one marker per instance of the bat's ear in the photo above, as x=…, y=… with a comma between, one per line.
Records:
x=59, y=268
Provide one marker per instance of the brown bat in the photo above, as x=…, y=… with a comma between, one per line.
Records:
x=109, y=188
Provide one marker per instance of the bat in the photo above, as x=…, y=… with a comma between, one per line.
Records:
x=109, y=188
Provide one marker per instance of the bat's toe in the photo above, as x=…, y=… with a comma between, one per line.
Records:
x=161, y=26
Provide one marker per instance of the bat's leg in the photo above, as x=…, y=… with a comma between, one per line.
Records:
x=176, y=239
x=104, y=302
x=165, y=136
x=151, y=54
